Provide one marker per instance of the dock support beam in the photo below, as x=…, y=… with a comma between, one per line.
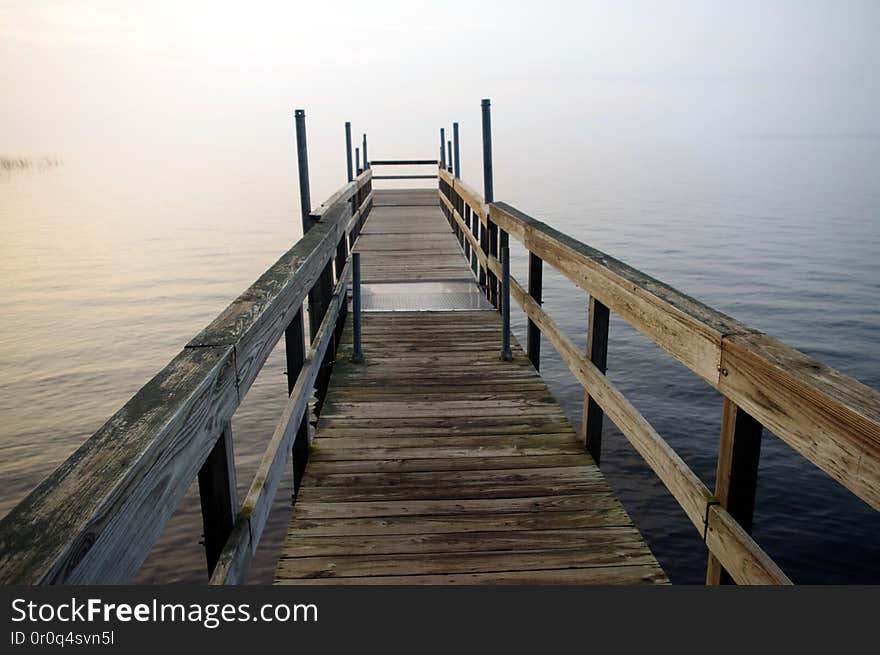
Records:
x=348, y=150
x=456, y=164
x=737, y=479
x=597, y=352
x=357, y=159
x=449, y=149
x=506, y=354
x=218, y=496
x=358, y=355
x=443, y=148
x=533, y=335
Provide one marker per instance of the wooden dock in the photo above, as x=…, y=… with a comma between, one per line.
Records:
x=437, y=462
x=442, y=457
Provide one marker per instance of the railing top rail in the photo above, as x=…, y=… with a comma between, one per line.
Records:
x=472, y=198
x=96, y=517
x=343, y=194
x=404, y=177
x=830, y=418
x=404, y=162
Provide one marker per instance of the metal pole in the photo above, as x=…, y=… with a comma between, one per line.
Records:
x=489, y=197
x=506, y=355
x=456, y=166
x=449, y=143
x=366, y=161
x=488, y=192
x=357, y=159
x=358, y=356
x=348, y=149
x=302, y=155
x=443, y=148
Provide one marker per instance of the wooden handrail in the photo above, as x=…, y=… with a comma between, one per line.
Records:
x=405, y=177
x=830, y=418
x=403, y=162
x=97, y=516
x=245, y=537
x=344, y=194
x=735, y=549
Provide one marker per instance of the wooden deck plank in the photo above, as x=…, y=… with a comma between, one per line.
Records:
x=604, y=575
x=435, y=461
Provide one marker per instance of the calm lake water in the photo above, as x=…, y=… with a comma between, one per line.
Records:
x=107, y=270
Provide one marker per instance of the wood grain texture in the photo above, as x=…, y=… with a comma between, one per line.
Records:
x=828, y=417
x=437, y=462
x=254, y=322
x=97, y=516
x=233, y=564
x=729, y=543
x=95, y=519
x=831, y=419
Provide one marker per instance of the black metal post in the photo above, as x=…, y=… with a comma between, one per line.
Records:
x=506, y=355
x=449, y=148
x=348, y=150
x=533, y=336
x=366, y=161
x=443, y=148
x=302, y=156
x=358, y=355
x=357, y=160
x=489, y=196
x=488, y=189
x=456, y=164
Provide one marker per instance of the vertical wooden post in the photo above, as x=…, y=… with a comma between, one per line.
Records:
x=322, y=291
x=533, y=336
x=218, y=496
x=736, y=482
x=358, y=354
x=341, y=258
x=295, y=351
x=475, y=230
x=492, y=238
x=597, y=352
x=443, y=148
x=484, y=273
x=506, y=353
x=467, y=222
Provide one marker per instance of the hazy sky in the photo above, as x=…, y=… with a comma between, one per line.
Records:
x=103, y=78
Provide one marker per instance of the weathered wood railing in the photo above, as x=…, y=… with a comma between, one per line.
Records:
x=96, y=518
x=831, y=419
x=405, y=162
